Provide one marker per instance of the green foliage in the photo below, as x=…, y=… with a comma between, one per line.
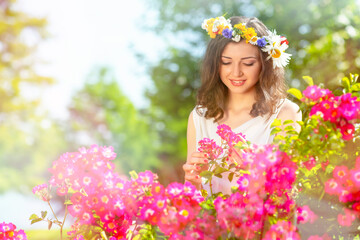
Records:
x=105, y=116
x=17, y=62
x=321, y=142
x=27, y=150
x=29, y=141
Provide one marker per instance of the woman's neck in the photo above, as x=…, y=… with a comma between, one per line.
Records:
x=239, y=102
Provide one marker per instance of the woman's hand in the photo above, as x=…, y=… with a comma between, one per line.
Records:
x=235, y=156
x=195, y=164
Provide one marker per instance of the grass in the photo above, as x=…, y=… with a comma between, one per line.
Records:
x=44, y=234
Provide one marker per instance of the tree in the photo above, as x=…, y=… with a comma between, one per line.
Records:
x=101, y=114
x=17, y=58
x=28, y=140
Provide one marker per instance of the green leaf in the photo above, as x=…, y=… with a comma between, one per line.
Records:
x=276, y=123
x=345, y=83
x=218, y=175
x=68, y=202
x=219, y=170
x=43, y=214
x=288, y=122
x=289, y=128
x=356, y=87
x=133, y=175
x=36, y=220
x=33, y=216
x=308, y=80
x=275, y=131
x=231, y=176
x=206, y=174
x=296, y=93
x=204, y=193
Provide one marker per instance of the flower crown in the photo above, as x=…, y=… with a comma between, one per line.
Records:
x=275, y=45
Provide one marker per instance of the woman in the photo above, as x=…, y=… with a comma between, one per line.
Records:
x=243, y=86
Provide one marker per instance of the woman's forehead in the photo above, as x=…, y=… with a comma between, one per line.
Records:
x=240, y=50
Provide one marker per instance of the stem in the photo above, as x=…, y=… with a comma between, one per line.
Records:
x=53, y=212
x=132, y=232
x=247, y=235
x=62, y=225
x=210, y=180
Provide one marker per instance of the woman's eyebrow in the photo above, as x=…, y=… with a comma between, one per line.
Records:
x=241, y=58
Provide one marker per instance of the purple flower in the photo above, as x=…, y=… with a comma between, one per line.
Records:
x=227, y=33
x=261, y=42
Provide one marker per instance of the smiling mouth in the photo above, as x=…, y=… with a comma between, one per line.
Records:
x=237, y=82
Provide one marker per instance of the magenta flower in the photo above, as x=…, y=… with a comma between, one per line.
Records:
x=8, y=232
x=315, y=93
x=347, y=219
x=42, y=192
x=317, y=237
x=242, y=215
x=282, y=230
x=231, y=138
x=305, y=215
x=209, y=146
x=332, y=187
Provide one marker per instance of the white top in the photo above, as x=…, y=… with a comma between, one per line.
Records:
x=256, y=130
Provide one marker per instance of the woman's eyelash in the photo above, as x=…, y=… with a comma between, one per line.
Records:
x=246, y=64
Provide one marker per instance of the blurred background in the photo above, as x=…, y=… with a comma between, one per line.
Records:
x=125, y=74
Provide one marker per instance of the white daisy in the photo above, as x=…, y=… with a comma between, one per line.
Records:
x=236, y=38
x=204, y=24
x=276, y=50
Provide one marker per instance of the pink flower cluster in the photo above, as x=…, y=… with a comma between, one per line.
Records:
x=209, y=147
x=102, y=198
x=305, y=215
x=8, y=232
x=231, y=138
x=271, y=176
x=343, y=111
x=282, y=230
x=89, y=174
x=346, y=185
x=171, y=208
x=240, y=214
x=42, y=191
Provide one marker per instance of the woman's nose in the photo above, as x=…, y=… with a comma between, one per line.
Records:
x=237, y=71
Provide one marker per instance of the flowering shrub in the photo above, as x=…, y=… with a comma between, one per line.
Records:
x=8, y=232
x=266, y=203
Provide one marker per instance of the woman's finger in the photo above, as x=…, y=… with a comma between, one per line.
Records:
x=191, y=168
x=198, y=160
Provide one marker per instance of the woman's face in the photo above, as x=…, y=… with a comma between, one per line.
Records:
x=240, y=67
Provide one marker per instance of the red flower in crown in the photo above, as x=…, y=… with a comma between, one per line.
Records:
x=284, y=40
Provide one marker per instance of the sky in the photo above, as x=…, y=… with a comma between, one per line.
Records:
x=84, y=34
x=88, y=33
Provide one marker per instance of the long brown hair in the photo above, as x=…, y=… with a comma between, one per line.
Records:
x=213, y=94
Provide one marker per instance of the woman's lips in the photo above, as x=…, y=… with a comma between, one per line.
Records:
x=237, y=83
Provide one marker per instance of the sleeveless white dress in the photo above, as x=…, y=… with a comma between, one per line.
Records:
x=256, y=130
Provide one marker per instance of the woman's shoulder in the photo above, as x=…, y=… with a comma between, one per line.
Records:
x=289, y=111
x=198, y=111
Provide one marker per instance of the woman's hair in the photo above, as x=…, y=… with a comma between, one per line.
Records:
x=213, y=94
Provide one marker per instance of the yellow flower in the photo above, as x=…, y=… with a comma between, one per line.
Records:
x=249, y=33
x=240, y=26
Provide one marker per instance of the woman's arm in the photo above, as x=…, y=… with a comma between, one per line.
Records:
x=290, y=111
x=194, y=159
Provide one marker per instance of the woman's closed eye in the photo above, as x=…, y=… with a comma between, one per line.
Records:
x=225, y=63
x=248, y=64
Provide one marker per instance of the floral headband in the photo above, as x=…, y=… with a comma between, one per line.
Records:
x=274, y=45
